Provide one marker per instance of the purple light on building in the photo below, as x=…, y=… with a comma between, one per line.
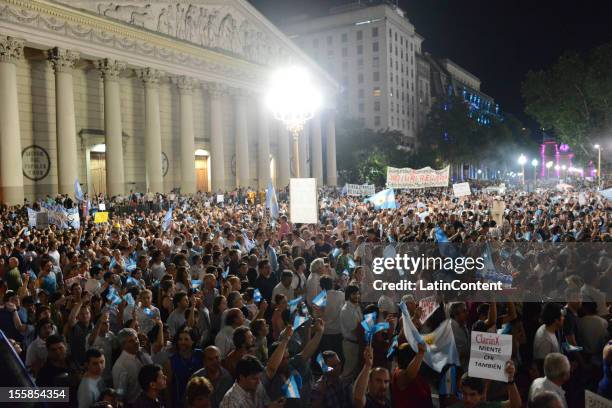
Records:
x=564, y=147
x=557, y=161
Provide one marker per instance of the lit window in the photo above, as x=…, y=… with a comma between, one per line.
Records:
x=376, y=91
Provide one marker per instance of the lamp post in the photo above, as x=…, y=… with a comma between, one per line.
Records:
x=293, y=99
x=534, y=163
x=522, y=160
x=598, y=147
x=548, y=167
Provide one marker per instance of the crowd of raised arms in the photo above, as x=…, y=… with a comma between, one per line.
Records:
x=199, y=310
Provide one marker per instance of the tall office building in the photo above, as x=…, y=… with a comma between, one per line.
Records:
x=371, y=50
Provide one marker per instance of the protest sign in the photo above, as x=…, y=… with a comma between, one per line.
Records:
x=100, y=217
x=582, y=199
x=303, y=207
x=102, y=207
x=219, y=198
x=428, y=305
x=489, y=354
x=592, y=400
x=461, y=189
x=419, y=178
x=42, y=220
x=497, y=212
x=360, y=189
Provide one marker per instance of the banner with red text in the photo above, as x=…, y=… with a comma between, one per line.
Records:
x=417, y=178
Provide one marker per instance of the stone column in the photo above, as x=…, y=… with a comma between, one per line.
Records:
x=153, y=161
x=316, y=158
x=188, y=179
x=217, y=158
x=65, y=124
x=115, y=175
x=284, y=155
x=304, y=142
x=263, y=147
x=243, y=177
x=330, y=125
x=11, y=167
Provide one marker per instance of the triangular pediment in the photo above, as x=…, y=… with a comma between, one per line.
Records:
x=233, y=26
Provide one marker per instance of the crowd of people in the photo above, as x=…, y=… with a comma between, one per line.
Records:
x=217, y=304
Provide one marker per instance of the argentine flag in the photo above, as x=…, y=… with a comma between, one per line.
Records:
x=383, y=200
x=78, y=193
x=293, y=304
x=324, y=367
x=298, y=321
x=167, y=220
x=320, y=300
x=291, y=388
x=448, y=382
x=441, y=348
x=257, y=296
x=272, y=201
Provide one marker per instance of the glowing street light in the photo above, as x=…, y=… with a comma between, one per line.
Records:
x=598, y=147
x=293, y=99
x=522, y=160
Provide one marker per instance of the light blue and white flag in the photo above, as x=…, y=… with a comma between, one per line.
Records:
x=298, y=321
x=225, y=273
x=31, y=218
x=448, y=381
x=320, y=300
x=441, y=348
x=78, y=192
x=129, y=299
x=257, y=296
x=383, y=200
x=392, y=348
x=324, y=367
x=293, y=304
x=167, y=220
x=72, y=218
x=272, y=201
x=291, y=388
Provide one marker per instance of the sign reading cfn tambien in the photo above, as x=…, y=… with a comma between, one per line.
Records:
x=417, y=178
x=489, y=354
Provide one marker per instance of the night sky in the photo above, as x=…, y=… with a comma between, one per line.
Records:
x=496, y=40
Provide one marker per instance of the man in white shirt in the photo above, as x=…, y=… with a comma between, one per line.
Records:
x=284, y=287
x=545, y=340
x=224, y=340
x=145, y=313
x=332, y=334
x=36, y=355
x=350, y=317
x=128, y=365
x=557, y=373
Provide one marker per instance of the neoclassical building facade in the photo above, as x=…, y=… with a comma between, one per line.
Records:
x=148, y=96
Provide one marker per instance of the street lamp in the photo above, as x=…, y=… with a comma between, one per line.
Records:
x=522, y=160
x=548, y=167
x=293, y=99
x=598, y=147
x=534, y=163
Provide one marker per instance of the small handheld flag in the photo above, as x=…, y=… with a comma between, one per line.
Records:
x=290, y=388
x=392, y=348
x=225, y=273
x=149, y=312
x=167, y=220
x=293, y=304
x=129, y=299
x=78, y=192
x=320, y=300
x=298, y=321
x=257, y=296
x=322, y=364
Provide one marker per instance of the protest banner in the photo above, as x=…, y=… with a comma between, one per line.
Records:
x=31, y=218
x=102, y=207
x=219, y=198
x=497, y=212
x=592, y=400
x=360, y=189
x=100, y=217
x=420, y=178
x=42, y=220
x=461, y=189
x=489, y=354
x=303, y=204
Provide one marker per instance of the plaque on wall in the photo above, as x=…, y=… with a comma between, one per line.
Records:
x=164, y=164
x=36, y=162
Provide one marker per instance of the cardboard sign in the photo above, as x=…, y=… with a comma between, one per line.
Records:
x=360, y=189
x=100, y=217
x=219, y=198
x=489, y=354
x=303, y=204
x=592, y=400
x=461, y=189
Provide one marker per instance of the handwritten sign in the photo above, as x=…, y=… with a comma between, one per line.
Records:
x=303, y=206
x=417, y=178
x=100, y=217
x=489, y=354
x=220, y=198
x=461, y=189
x=429, y=306
x=360, y=189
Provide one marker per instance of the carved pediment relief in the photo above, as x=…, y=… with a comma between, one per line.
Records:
x=217, y=25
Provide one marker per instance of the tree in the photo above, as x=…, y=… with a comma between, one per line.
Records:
x=573, y=98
